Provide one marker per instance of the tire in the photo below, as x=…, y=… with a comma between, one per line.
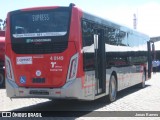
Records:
x=112, y=89
x=2, y=80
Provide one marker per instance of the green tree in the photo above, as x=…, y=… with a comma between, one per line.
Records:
x=2, y=24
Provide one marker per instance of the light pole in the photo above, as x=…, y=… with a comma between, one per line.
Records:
x=134, y=21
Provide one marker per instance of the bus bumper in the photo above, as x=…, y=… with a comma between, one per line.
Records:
x=71, y=90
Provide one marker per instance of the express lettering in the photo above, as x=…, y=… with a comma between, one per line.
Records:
x=40, y=17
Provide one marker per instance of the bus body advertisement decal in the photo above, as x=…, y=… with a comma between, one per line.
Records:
x=23, y=60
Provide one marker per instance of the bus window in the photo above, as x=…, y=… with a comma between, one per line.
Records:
x=40, y=24
x=88, y=42
x=87, y=33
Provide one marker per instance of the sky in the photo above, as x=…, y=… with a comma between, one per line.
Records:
x=118, y=11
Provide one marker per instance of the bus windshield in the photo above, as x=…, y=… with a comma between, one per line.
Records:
x=40, y=23
x=40, y=31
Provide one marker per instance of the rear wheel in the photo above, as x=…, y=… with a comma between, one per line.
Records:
x=112, y=89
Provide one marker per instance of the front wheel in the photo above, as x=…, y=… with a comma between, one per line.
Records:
x=112, y=89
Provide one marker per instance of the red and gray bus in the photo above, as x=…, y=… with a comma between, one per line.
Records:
x=65, y=53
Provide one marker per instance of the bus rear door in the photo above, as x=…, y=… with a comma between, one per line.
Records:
x=100, y=67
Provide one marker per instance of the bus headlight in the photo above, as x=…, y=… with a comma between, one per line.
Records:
x=8, y=69
x=73, y=66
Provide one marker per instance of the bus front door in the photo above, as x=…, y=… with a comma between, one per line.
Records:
x=100, y=62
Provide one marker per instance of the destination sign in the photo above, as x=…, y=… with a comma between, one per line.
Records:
x=40, y=17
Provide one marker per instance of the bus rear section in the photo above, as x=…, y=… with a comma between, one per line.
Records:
x=41, y=54
x=64, y=53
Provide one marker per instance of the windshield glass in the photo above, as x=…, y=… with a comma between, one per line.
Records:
x=40, y=23
x=40, y=31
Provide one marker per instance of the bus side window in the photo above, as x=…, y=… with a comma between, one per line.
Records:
x=87, y=41
x=112, y=37
x=122, y=38
x=87, y=33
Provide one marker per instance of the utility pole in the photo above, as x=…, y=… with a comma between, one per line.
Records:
x=134, y=21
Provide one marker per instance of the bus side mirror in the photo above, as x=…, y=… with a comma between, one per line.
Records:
x=95, y=41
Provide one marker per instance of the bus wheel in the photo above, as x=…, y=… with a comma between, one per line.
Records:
x=2, y=82
x=112, y=89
